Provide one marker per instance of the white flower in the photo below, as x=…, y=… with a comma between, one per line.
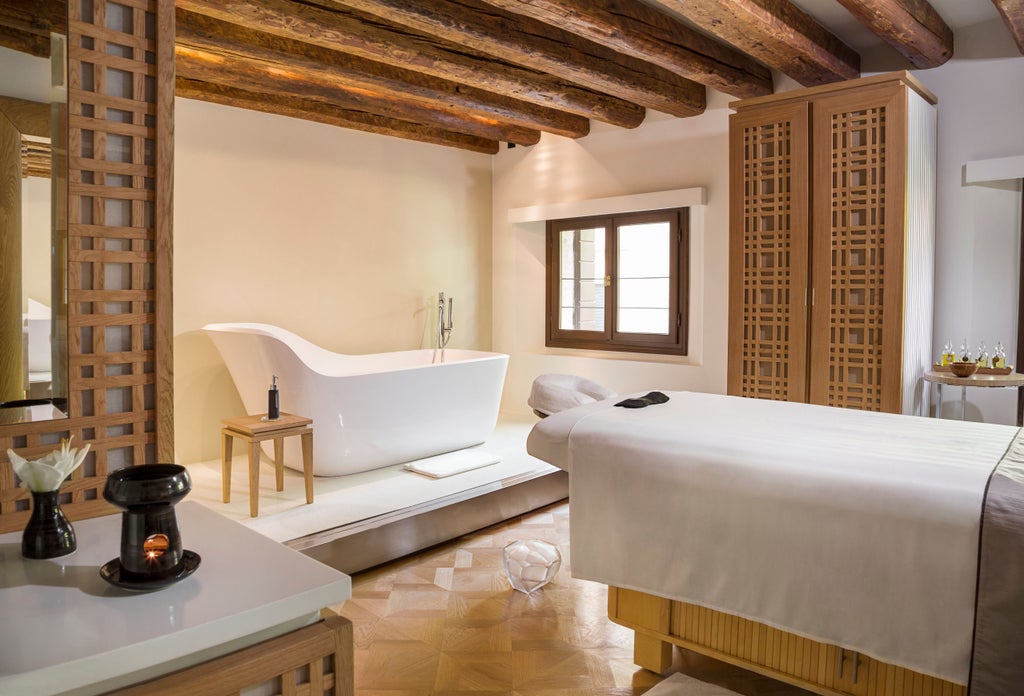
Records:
x=48, y=473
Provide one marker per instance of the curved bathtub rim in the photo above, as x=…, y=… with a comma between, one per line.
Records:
x=304, y=349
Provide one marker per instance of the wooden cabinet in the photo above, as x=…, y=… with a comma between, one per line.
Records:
x=315, y=660
x=832, y=198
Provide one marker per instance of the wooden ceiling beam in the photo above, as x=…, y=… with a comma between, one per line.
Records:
x=775, y=32
x=539, y=46
x=1012, y=12
x=912, y=27
x=259, y=76
x=323, y=68
x=646, y=34
x=26, y=26
x=329, y=114
x=22, y=41
x=343, y=31
x=39, y=17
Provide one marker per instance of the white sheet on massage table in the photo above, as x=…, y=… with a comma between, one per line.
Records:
x=858, y=529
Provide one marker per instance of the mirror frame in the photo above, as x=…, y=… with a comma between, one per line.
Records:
x=47, y=120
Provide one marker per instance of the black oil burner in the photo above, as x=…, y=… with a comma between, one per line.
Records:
x=151, y=551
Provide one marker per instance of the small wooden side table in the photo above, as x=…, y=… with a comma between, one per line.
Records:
x=254, y=430
x=939, y=379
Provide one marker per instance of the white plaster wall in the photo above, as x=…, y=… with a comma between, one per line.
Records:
x=662, y=154
x=343, y=237
x=981, y=116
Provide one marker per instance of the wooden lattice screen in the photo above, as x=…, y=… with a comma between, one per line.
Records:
x=769, y=274
x=856, y=282
x=120, y=113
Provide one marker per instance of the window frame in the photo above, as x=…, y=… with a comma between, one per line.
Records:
x=610, y=339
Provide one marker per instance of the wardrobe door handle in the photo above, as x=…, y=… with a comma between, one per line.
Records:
x=841, y=660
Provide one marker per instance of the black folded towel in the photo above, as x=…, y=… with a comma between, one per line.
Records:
x=648, y=399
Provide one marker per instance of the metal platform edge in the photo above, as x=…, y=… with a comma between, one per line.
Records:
x=368, y=543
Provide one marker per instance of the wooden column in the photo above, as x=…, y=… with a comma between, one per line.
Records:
x=12, y=377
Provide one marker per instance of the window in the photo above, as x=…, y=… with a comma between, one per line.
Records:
x=619, y=282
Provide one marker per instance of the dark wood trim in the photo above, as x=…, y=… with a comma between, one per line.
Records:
x=164, y=224
x=610, y=339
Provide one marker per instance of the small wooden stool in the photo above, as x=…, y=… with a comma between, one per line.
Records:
x=254, y=430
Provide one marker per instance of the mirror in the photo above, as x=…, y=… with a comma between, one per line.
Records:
x=33, y=230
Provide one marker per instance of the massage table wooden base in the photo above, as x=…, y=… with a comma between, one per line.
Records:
x=660, y=623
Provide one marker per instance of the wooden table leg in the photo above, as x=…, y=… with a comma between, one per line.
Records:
x=279, y=462
x=651, y=653
x=254, y=478
x=225, y=467
x=307, y=463
x=1020, y=406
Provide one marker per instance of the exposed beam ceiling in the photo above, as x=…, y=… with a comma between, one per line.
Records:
x=524, y=41
x=912, y=27
x=641, y=32
x=330, y=114
x=359, y=36
x=1012, y=12
x=302, y=69
x=472, y=74
x=775, y=32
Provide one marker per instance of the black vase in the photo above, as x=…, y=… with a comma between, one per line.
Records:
x=48, y=533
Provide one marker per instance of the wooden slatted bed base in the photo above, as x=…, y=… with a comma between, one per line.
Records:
x=660, y=623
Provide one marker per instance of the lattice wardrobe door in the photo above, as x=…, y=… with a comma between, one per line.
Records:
x=768, y=252
x=857, y=270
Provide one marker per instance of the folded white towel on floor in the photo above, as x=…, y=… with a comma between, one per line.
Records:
x=680, y=684
x=452, y=463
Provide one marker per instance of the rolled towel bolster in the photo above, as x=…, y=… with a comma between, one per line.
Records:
x=552, y=393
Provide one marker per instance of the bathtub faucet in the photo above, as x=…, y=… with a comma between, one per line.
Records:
x=444, y=323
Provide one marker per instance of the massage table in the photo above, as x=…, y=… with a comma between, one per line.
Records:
x=846, y=552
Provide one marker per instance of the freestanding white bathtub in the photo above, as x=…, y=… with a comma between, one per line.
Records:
x=368, y=411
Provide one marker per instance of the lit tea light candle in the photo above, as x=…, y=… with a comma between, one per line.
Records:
x=155, y=545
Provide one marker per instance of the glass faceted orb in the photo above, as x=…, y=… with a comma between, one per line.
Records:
x=531, y=564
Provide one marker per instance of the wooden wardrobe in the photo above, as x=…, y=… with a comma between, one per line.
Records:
x=831, y=244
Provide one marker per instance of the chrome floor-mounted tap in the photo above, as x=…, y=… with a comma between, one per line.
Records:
x=444, y=324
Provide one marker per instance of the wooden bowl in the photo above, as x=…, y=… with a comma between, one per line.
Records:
x=963, y=369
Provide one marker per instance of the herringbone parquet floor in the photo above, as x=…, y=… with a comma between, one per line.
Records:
x=445, y=622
